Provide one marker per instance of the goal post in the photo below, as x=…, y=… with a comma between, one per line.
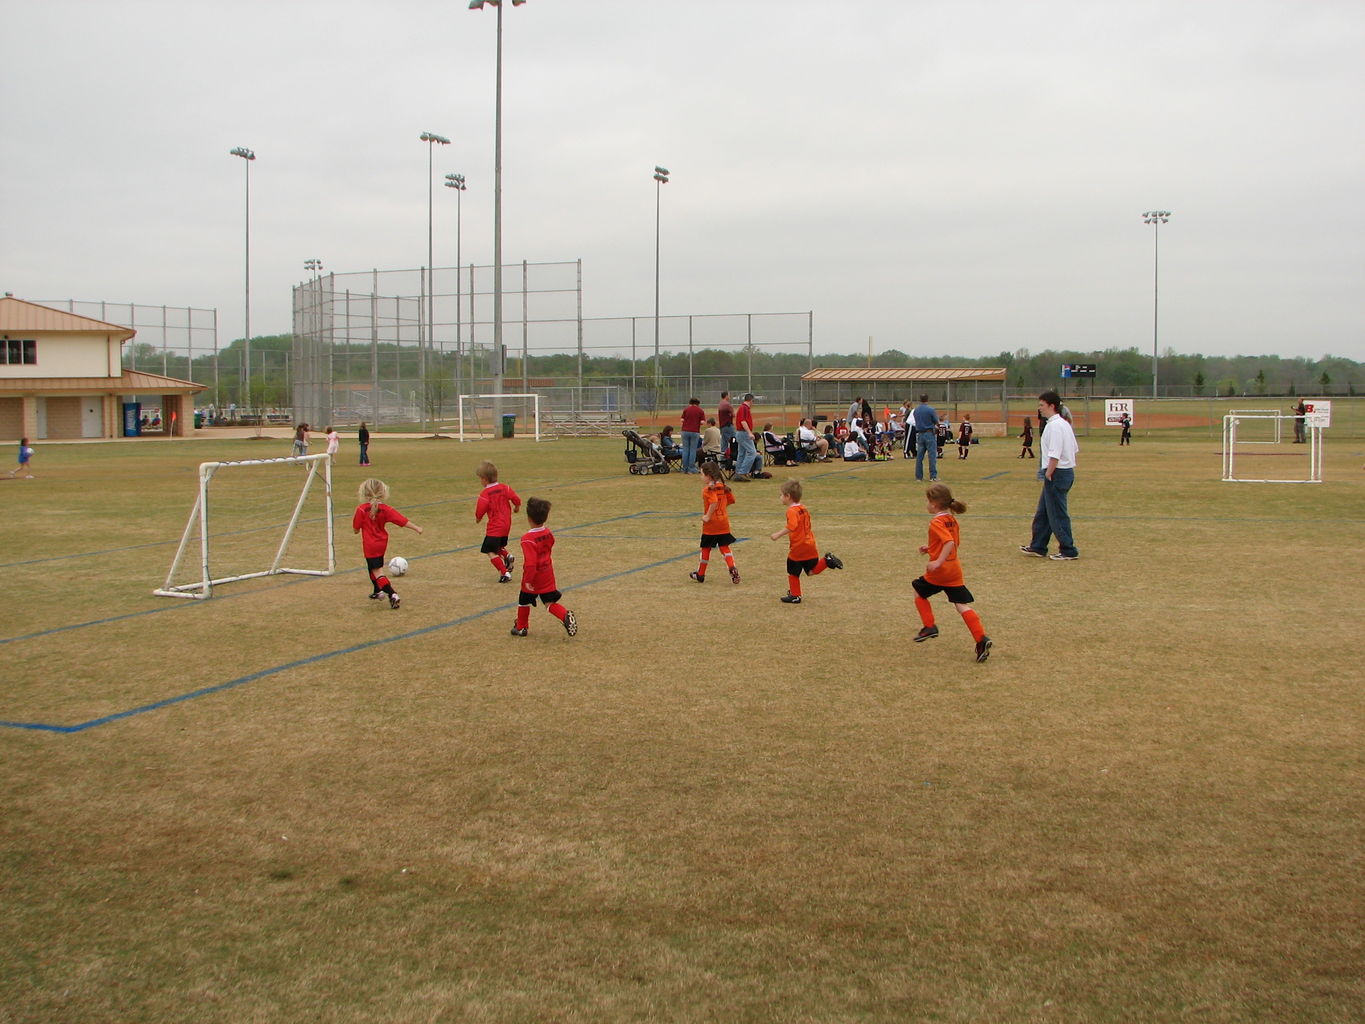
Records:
x=479, y=412
x=1237, y=425
x=255, y=518
x=1259, y=426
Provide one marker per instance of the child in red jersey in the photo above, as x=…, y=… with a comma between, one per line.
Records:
x=716, y=498
x=538, y=572
x=944, y=571
x=371, y=521
x=803, y=555
x=498, y=502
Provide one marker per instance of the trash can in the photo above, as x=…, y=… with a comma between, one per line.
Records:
x=198, y=420
x=509, y=424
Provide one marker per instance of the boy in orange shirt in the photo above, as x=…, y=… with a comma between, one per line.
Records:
x=803, y=555
x=716, y=499
x=944, y=571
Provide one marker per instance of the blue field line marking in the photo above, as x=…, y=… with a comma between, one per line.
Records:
x=995, y=476
x=316, y=658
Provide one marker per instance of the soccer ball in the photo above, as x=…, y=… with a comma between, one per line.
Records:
x=398, y=565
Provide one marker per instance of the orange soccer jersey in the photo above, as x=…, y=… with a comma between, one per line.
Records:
x=718, y=498
x=801, y=536
x=942, y=529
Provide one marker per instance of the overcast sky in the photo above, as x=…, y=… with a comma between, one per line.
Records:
x=953, y=176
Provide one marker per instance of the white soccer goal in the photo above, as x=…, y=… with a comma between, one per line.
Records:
x=482, y=415
x=1259, y=426
x=1307, y=464
x=255, y=518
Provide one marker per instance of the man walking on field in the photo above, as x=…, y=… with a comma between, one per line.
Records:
x=1057, y=471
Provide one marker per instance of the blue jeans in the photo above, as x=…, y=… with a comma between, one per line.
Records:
x=926, y=441
x=727, y=435
x=748, y=462
x=691, y=442
x=1052, y=518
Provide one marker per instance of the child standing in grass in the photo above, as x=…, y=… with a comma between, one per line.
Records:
x=25, y=457
x=371, y=521
x=538, y=572
x=803, y=555
x=497, y=501
x=1026, y=451
x=716, y=499
x=944, y=571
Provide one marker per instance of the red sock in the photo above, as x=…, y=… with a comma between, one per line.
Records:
x=794, y=586
x=499, y=564
x=973, y=622
x=705, y=560
x=820, y=567
x=926, y=614
x=558, y=611
x=523, y=616
x=382, y=582
x=729, y=558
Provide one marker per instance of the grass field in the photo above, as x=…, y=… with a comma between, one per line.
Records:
x=707, y=806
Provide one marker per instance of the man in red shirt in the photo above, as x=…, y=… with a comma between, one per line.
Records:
x=725, y=419
x=692, y=418
x=748, y=462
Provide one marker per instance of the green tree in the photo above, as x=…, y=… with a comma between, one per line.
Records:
x=1260, y=382
x=1326, y=381
x=1199, y=382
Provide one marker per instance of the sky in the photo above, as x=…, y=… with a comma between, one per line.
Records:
x=939, y=176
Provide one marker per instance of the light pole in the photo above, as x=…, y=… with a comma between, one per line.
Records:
x=431, y=139
x=660, y=179
x=248, y=156
x=456, y=181
x=309, y=365
x=478, y=5
x=1156, y=218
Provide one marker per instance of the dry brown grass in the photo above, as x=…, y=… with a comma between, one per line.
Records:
x=708, y=806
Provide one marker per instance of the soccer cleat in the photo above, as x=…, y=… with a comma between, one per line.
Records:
x=505, y=578
x=983, y=648
x=927, y=633
x=393, y=600
x=734, y=574
x=1059, y=557
x=571, y=623
x=1031, y=552
x=509, y=561
x=833, y=561
x=519, y=631
x=376, y=595
x=792, y=599
x=696, y=576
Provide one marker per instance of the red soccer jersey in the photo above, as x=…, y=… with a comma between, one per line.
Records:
x=537, y=567
x=692, y=418
x=497, y=501
x=942, y=529
x=802, y=538
x=718, y=498
x=374, y=537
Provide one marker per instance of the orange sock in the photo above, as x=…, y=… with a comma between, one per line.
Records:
x=705, y=561
x=973, y=622
x=794, y=586
x=729, y=557
x=926, y=614
x=819, y=567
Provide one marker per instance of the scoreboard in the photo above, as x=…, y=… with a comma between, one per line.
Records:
x=1078, y=370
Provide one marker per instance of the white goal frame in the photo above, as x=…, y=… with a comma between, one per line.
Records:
x=198, y=524
x=535, y=399
x=1314, y=438
x=1276, y=422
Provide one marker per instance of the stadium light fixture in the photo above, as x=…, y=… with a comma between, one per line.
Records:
x=1156, y=218
x=456, y=182
x=478, y=5
x=247, y=156
x=661, y=179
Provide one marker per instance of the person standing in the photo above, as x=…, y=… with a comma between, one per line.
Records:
x=1026, y=439
x=925, y=420
x=749, y=461
x=725, y=417
x=1127, y=436
x=692, y=418
x=964, y=437
x=1057, y=471
x=333, y=442
x=1299, y=411
x=364, y=438
x=855, y=409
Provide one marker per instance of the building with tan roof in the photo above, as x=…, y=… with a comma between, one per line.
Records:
x=62, y=376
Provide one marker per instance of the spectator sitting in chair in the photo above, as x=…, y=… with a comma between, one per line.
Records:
x=812, y=443
x=780, y=448
x=712, y=443
x=667, y=443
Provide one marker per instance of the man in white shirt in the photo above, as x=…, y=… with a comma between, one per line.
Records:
x=809, y=441
x=1057, y=470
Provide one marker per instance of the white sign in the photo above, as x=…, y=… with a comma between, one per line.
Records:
x=1318, y=412
x=1114, y=410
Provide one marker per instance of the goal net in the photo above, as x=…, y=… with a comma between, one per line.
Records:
x=1244, y=464
x=259, y=517
x=488, y=416
x=1258, y=426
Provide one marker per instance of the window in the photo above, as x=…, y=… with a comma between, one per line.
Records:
x=20, y=350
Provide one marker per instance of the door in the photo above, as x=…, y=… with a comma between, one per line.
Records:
x=92, y=417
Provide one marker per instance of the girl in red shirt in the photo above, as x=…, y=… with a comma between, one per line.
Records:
x=371, y=520
x=944, y=571
x=716, y=499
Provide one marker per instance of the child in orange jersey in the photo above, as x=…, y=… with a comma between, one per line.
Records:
x=371, y=520
x=944, y=571
x=716, y=499
x=538, y=572
x=498, y=502
x=803, y=555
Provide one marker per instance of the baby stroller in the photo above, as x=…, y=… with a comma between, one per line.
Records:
x=643, y=456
